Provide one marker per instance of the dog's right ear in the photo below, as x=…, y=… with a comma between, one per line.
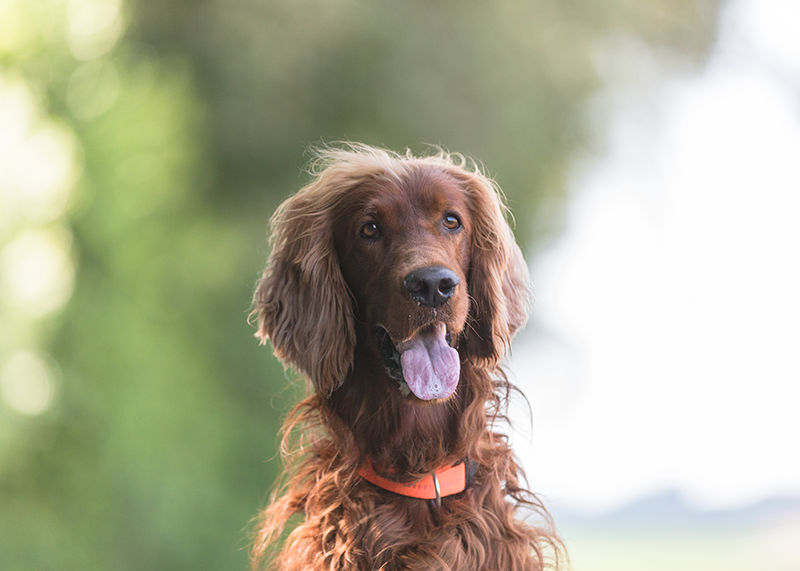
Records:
x=302, y=300
x=499, y=285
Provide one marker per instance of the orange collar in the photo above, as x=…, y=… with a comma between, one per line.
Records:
x=443, y=482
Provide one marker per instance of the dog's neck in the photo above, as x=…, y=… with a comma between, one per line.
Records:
x=395, y=431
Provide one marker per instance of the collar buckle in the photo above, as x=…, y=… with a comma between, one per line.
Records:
x=436, y=503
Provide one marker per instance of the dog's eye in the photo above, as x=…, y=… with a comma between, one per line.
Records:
x=451, y=222
x=370, y=231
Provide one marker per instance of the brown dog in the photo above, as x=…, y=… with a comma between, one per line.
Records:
x=395, y=286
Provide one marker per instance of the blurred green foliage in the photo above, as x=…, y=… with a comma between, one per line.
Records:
x=152, y=442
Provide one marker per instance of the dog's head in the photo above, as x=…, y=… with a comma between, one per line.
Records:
x=398, y=258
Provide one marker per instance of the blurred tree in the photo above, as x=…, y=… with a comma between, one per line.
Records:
x=143, y=147
x=504, y=81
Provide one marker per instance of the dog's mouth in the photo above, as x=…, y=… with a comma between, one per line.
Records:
x=425, y=364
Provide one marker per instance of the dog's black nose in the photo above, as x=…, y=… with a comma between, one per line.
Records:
x=431, y=286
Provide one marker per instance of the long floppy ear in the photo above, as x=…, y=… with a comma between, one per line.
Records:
x=302, y=300
x=499, y=284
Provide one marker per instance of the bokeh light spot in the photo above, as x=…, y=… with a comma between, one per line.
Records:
x=94, y=28
x=16, y=29
x=36, y=271
x=93, y=89
x=27, y=383
x=17, y=113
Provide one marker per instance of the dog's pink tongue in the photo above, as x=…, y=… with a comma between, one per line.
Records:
x=430, y=366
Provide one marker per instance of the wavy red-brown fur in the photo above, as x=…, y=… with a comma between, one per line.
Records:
x=318, y=322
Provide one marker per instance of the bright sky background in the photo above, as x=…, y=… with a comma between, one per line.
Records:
x=664, y=349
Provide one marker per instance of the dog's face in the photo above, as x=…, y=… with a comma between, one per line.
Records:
x=404, y=253
x=383, y=265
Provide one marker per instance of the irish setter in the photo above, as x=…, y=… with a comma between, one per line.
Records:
x=395, y=285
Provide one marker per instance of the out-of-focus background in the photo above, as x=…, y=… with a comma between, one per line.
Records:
x=649, y=150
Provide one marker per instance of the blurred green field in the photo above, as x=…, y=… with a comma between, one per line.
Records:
x=769, y=546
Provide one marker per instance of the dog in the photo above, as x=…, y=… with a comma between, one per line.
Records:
x=394, y=285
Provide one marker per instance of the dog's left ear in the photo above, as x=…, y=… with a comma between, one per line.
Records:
x=499, y=283
x=302, y=301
